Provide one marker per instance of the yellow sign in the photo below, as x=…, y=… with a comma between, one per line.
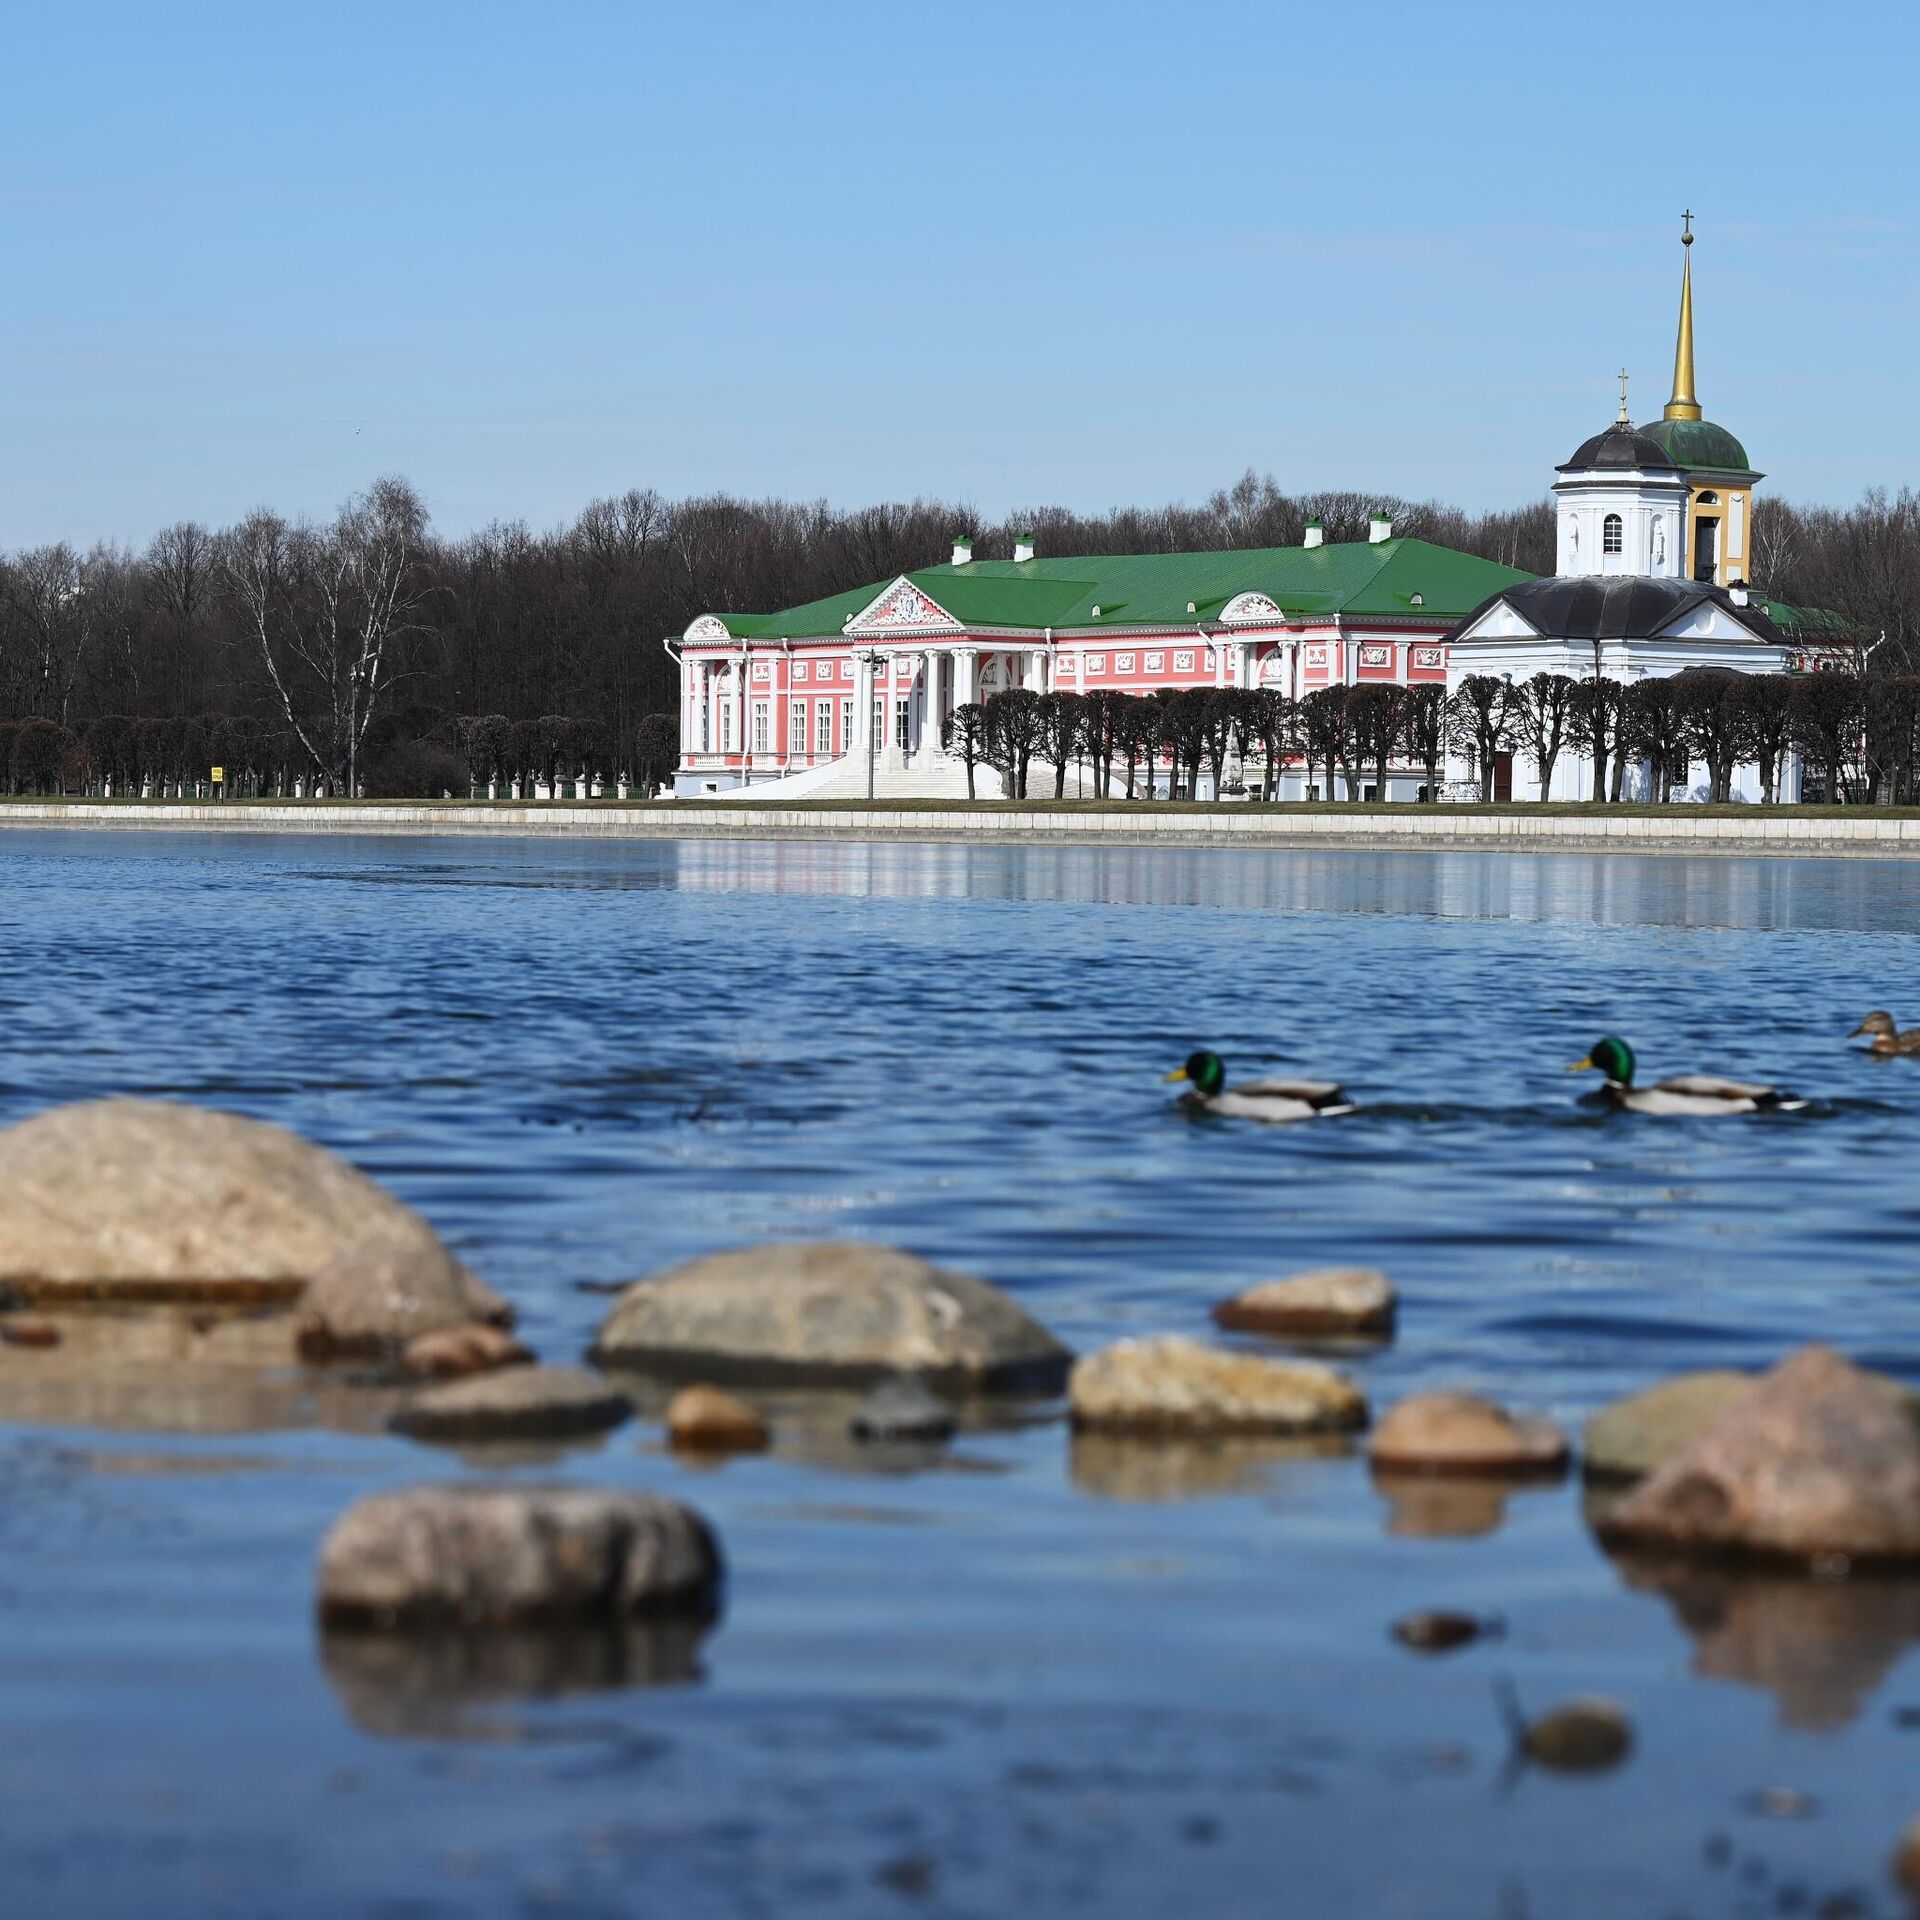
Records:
x=219, y=774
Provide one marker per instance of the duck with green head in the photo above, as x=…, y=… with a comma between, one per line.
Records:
x=1276, y=1100
x=1684, y=1094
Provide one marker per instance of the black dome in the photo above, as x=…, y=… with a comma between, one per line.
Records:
x=1620, y=446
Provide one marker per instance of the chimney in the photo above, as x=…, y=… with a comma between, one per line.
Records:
x=1737, y=592
x=1316, y=535
x=1023, y=546
x=1379, y=528
x=962, y=549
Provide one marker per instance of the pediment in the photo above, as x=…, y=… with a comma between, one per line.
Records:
x=1710, y=621
x=1249, y=607
x=1501, y=621
x=707, y=630
x=901, y=608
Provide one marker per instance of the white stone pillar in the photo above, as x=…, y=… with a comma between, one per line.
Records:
x=1037, y=670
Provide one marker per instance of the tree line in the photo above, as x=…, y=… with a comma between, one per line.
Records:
x=1859, y=735
x=356, y=652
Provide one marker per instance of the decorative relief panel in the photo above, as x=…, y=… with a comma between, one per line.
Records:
x=1096, y=663
x=1429, y=656
x=799, y=669
x=1183, y=662
x=1156, y=663
x=1123, y=663
x=1250, y=606
x=905, y=606
x=763, y=669
x=1376, y=656
x=708, y=628
x=1316, y=656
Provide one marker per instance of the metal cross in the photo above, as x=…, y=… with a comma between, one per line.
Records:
x=1623, y=393
x=1686, y=228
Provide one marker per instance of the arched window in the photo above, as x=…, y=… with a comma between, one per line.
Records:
x=1612, y=534
x=1709, y=499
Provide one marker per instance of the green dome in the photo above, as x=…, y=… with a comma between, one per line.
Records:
x=1698, y=446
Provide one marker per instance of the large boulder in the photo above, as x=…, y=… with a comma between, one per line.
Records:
x=1176, y=1385
x=515, y=1403
x=151, y=1201
x=1816, y=1461
x=829, y=1312
x=499, y=1556
x=1634, y=1436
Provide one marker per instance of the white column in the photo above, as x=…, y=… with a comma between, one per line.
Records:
x=966, y=689
x=1037, y=670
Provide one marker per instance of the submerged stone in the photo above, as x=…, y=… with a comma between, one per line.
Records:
x=829, y=1312
x=1460, y=1433
x=705, y=1419
x=507, y=1555
x=453, y=1352
x=383, y=1292
x=1175, y=1385
x=154, y=1201
x=1585, y=1736
x=515, y=1403
x=1634, y=1436
x=1816, y=1462
x=28, y=1330
x=1436, y=1630
x=1323, y=1301
x=901, y=1410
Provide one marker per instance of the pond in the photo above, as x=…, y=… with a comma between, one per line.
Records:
x=1029, y=1673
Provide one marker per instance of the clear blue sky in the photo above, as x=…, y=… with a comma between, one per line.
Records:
x=1086, y=253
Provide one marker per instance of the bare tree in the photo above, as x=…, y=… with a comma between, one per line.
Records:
x=1543, y=718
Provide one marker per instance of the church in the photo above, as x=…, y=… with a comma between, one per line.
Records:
x=851, y=695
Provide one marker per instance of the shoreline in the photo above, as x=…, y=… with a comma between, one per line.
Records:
x=1849, y=833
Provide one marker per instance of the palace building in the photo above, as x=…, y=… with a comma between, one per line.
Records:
x=1654, y=539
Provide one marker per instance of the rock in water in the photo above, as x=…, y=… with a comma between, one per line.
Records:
x=829, y=1312
x=454, y=1352
x=1174, y=1385
x=1644, y=1431
x=28, y=1330
x=152, y=1201
x=1584, y=1736
x=1906, y=1861
x=509, y=1555
x=1324, y=1301
x=516, y=1403
x=704, y=1419
x=378, y=1294
x=1816, y=1461
x=901, y=1410
x=1446, y=1433
x=1437, y=1630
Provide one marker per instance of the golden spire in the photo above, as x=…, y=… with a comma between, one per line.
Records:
x=1683, y=406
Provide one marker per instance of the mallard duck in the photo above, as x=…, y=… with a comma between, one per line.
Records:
x=1684, y=1093
x=1278, y=1099
x=1888, y=1040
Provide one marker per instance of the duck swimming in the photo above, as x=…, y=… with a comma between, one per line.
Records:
x=1888, y=1040
x=1685, y=1094
x=1277, y=1100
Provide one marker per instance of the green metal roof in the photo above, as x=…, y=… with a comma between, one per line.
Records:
x=1356, y=579
x=1814, y=620
x=1697, y=446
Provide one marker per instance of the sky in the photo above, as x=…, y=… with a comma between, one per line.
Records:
x=1088, y=253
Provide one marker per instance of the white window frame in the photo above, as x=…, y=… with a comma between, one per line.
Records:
x=1613, y=534
x=762, y=726
x=796, y=726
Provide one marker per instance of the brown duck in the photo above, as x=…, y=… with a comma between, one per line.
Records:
x=1888, y=1040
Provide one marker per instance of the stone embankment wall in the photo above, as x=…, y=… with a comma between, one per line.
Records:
x=1671, y=830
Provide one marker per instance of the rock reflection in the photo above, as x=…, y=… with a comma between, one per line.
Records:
x=437, y=1686
x=1127, y=1466
x=182, y=1370
x=1438, y=1507
x=1820, y=1647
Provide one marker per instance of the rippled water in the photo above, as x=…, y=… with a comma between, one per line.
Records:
x=1034, y=1675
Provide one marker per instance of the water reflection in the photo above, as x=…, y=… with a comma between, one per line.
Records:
x=1820, y=1647
x=1149, y=1467
x=437, y=1686
x=185, y=1371
x=1450, y=1507
x=1560, y=889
